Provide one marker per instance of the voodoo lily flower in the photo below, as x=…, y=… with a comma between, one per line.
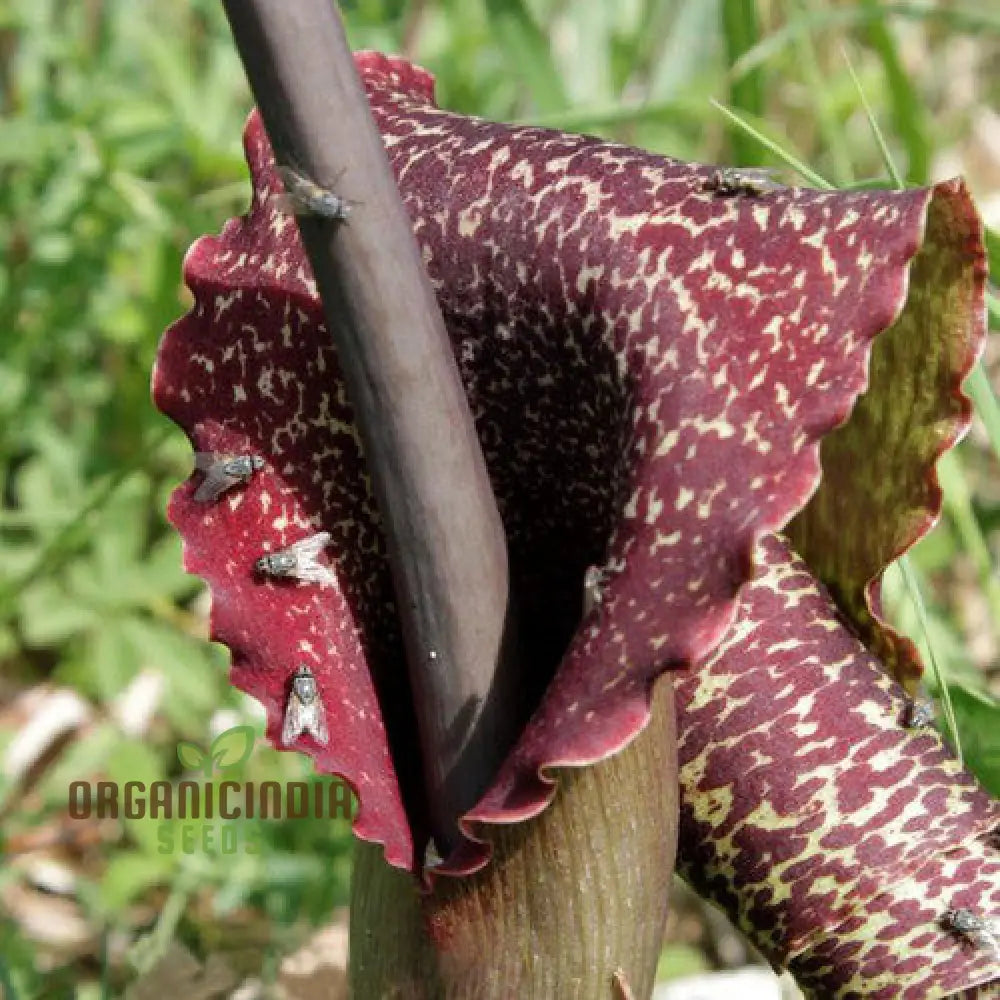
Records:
x=727, y=401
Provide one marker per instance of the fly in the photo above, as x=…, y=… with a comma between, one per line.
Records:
x=432, y=856
x=305, y=197
x=304, y=712
x=977, y=930
x=919, y=714
x=299, y=561
x=748, y=181
x=593, y=584
x=223, y=472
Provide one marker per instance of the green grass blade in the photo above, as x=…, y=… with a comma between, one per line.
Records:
x=593, y=28
x=958, y=507
x=528, y=52
x=993, y=311
x=678, y=46
x=883, y=147
x=907, y=108
x=741, y=32
x=984, y=401
x=818, y=89
x=146, y=951
x=788, y=158
x=959, y=19
x=917, y=597
x=7, y=987
x=992, y=238
x=105, y=956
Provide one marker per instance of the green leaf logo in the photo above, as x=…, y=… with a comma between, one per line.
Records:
x=233, y=747
x=229, y=749
x=191, y=755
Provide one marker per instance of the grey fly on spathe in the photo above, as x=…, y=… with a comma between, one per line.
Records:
x=732, y=181
x=299, y=561
x=593, y=584
x=304, y=712
x=432, y=856
x=977, y=930
x=919, y=714
x=305, y=197
x=223, y=472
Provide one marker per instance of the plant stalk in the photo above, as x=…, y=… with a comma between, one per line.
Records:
x=445, y=538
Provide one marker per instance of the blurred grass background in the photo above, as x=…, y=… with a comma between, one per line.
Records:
x=119, y=145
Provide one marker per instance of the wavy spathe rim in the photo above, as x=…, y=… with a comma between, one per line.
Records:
x=835, y=835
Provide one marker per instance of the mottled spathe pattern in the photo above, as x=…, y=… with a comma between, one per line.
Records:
x=650, y=365
x=835, y=837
